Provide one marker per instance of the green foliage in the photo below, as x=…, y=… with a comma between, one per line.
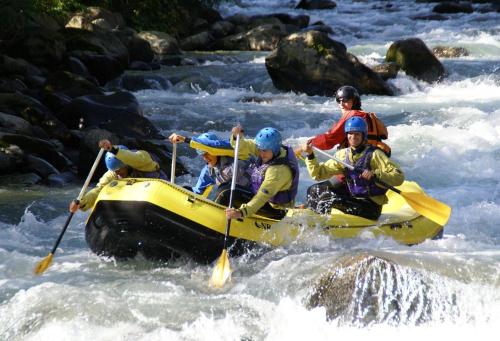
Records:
x=172, y=16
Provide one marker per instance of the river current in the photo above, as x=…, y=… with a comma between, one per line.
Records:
x=446, y=136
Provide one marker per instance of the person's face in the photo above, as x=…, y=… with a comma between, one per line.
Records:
x=266, y=155
x=345, y=104
x=210, y=159
x=355, y=139
x=122, y=172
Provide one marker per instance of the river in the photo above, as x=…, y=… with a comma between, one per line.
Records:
x=445, y=136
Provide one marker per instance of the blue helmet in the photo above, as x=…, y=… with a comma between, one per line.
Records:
x=269, y=139
x=204, y=137
x=356, y=124
x=112, y=163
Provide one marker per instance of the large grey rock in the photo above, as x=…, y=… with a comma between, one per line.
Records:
x=17, y=66
x=316, y=4
x=96, y=18
x=415, y=58
x=202, y=41
x=364, y=289
x=312, y=63
x=46, y=150
x=40, y=47
x=119, y=113
x=140, y=49
x=161, y=43
x=36, y=114
x=40, y=166
x=449, y=51
x=15, y=124
x=71, y=85
x=453, y=7
x=102, y=52
x=261, y=38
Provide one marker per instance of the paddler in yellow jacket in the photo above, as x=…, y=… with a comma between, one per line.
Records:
x=121, y=163
x=365, y=197
x=274, y=176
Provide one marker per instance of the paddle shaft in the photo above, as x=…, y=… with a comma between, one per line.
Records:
x=351, y=167
x=233, y=186
x=82, y=192
x=174, y=161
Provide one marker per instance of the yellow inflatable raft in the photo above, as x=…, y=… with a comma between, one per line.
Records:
x=161, y=220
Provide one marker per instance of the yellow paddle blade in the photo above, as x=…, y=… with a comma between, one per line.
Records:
x=429, y=207
x=222, y=271
x=43, y=265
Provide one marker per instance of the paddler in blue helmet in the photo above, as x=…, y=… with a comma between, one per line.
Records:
x=218, y=170
x=121, y=163
x=275, y=175
x=364, y=197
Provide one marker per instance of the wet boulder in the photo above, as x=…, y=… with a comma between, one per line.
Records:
x=102, y=52
x=312, y=63
x=202, y=41
x=453, y=7
x=161, y=43
x=12, y=85
x=316, y=4
x=28, y=179
x=449, y=51
x=301, y=20
x=140, y=49
x=138, y=82
x=11, y=158
x=222, y=28
x=366, y=289
x=15, y=124
x=43, y=149
x=96, y=18
x=415, y=58
x=37, y=114
x=118, y=113
x=387, y=70
x=41, y=47
x=40, y=166
x=261, y=38
x=17, y=66
x=71, y=85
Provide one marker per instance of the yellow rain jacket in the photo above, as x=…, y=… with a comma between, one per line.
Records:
x=384, y=169
x=277, y=178
x=139, y=160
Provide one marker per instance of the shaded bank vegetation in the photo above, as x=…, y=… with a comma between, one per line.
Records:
x=171, y=16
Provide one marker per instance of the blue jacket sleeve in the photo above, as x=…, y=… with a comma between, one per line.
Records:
x=204, y=180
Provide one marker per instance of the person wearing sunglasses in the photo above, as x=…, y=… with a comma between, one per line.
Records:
x=349, y=102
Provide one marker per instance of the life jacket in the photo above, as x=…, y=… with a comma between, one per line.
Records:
x=358, y=186
x=377, y=131
x=258, y=172
x=223, y=172
x=156, y=174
